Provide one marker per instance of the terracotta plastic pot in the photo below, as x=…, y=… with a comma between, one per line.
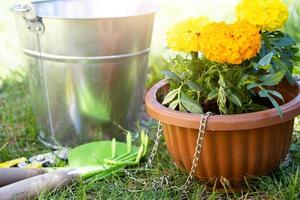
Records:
x=235, y=146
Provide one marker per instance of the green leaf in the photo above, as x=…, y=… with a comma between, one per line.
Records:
x=277, y=94
x=266, y=41
x=174, y=104
x=170, y=96
x=222, y=100
x=190, y=104
x=294, y=50
x=295, y=147
x=194, y=86
x=285, y=41
x=181, y=108
x=252, y=85
x=272, y=79
x=171, y=75
x=232, y=97
x=266, y=60
x=296, y=155
x=254, y=107
x=288, y=74
x=275, y=104
x=297, y=58
x=213, y=94
x=266, y=68
x=265, y=94
x=247, y=79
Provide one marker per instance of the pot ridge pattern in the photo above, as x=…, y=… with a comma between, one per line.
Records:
x=231, y=155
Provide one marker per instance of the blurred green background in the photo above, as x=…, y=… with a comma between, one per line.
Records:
x=18, y=127
x=170, y=12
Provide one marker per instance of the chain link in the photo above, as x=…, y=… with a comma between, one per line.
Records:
x=198, y=148
x=137, y=180
x=150, y=159
x=155, y=146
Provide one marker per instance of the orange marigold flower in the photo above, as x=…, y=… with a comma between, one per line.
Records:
x=184, y=36
x=266, y=14
x=230, y=43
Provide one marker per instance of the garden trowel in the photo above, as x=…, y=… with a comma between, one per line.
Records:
x=99, y=159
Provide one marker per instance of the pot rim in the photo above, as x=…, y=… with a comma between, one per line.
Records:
x=244, y=121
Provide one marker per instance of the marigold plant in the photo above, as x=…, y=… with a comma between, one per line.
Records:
x=229, y=43
x=185, y=35
x=266, y=14
x=231, y=68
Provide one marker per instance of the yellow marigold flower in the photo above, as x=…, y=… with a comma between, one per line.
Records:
x=230, y=43
x=266, y=14
x=184, y=36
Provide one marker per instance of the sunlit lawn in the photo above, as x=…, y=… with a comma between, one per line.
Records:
x=18, y=128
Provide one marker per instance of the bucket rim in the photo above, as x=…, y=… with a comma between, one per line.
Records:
x=154, y=8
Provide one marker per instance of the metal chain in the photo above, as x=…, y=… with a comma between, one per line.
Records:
x=198, y=148
x=151, y=157
x=155, y=146
x=137, y=180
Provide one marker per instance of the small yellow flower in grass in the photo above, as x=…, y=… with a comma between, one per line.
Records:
x=185, y=35
x=230, y=43
x=266, y=14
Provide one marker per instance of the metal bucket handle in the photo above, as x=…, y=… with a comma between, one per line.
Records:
x=33, y=23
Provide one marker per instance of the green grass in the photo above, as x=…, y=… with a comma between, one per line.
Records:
x=18, y=138
x=18, y=129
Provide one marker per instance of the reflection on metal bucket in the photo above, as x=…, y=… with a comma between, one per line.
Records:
x=86, y=69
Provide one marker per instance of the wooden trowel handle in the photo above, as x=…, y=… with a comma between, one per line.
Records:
x=32, y=187
x=11, y=175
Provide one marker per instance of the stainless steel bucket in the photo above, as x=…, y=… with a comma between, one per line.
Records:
x=87, y=65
